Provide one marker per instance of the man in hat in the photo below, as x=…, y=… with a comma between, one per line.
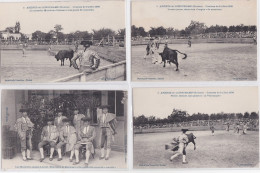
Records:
x=107, y=123
x=212, y=128
x=182, y=140
x=58, y=120
x=89, y=60
x=86, y=136
x=68, y=137
x=50, y=137
x=77, y=119
x=150, y=48
x=24, y=127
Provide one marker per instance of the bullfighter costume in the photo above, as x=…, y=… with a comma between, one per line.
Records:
x=24, y=127
x=86, y=136
x=77, y=119
x=107, y=123
x=89, y=60
x=58, y=121
x=68, y=137
x=182, y=143
x=50, y=137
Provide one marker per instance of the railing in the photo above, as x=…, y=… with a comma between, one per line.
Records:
x=112, y=72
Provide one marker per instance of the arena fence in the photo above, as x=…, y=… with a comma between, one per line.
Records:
x=196, y=41
x=112, y=72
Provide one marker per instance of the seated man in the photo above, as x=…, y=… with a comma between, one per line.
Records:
x=49, y=136
x=68, y=137
x=86, y=136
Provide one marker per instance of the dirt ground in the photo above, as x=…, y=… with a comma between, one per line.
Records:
x=205, y=62
x=37, y=66
x=223, y=150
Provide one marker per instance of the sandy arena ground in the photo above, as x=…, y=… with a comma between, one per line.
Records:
x=205, y=62
x=37, y=66
x=223, y=150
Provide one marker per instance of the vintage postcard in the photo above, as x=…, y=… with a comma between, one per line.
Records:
x=194, y=40
x=62, y=41
x=64, y=129
x=196, y=127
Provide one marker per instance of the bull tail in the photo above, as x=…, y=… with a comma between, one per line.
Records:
x=185, y=55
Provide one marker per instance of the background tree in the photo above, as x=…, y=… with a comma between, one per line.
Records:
x=138, y=31
x=58, y=28
x=17, y=27
x=38, y=35
x=104, y=32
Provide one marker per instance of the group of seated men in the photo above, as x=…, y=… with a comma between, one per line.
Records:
x=72, y=137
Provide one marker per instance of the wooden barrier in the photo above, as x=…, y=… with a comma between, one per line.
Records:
x=112, y=72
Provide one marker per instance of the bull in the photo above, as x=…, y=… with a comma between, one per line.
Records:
x=64, y=54
x=171, y=56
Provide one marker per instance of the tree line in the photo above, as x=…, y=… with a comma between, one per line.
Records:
x=178, y=116
x=56, y=34
x=194, y=28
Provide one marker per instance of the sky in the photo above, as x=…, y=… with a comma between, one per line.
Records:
x=151, y=13
x=111, y=14
x=157, y=101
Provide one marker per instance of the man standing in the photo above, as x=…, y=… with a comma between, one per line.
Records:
x=182, y=141
x=24, y=127
x=86, y=136
x=107, y=123
x=89, y=60
x=77, y=119
x=68, y=137
x=212, y=128
x=49, y=136
x=58, y=120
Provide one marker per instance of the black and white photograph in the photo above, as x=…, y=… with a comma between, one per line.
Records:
x=64, y=129
x=194, y=40
x=210, y=127
x=62, y=41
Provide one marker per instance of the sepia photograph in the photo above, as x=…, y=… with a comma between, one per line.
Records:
x=62, y=41
x=196, y=128
x=63, y=129
x=194, y=40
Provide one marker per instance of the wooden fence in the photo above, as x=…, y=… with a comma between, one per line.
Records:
x=112, y=72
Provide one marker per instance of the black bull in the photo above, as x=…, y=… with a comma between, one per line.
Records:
x=171, y=55
x=64, y=54
x=174, y=146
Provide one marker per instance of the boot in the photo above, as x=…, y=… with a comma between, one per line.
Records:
x=102, y=151
x=87, y=156
x=174, y=156
x=29, y=154
x=59, y=153
x=107, y=155
x=42, y=155
x=23, y=154
x=184, y=159
x=51, y=154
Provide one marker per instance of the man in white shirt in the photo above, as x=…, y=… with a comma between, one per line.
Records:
x=49, y=136
x=86, y=136
x=68, y=137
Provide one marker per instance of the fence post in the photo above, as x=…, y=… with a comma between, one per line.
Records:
x=108, y=40
x=92, y=39
x=83, y=78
